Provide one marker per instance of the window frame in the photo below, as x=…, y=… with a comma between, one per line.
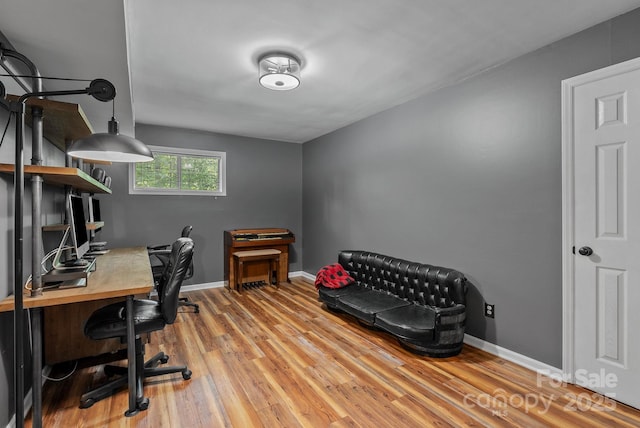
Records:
x=179, y=152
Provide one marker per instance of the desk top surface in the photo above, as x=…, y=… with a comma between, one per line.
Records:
x=121, y=272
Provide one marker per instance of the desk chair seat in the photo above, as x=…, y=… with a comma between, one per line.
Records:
x=149, y=315
x=159, y=257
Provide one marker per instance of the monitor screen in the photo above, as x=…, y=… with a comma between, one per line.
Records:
x=94, y=210
x=78, y=226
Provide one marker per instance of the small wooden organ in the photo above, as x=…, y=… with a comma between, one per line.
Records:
x=256, y=239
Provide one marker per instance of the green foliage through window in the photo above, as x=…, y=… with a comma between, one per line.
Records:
x=162, y=173
x=199, y=173
x=180, y=171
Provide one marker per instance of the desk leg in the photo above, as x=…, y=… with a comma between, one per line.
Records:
x=131, y=359
x=36, y=337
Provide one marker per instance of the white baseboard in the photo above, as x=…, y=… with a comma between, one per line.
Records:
x=303, y=274
x=489, y=347
x=512, y=356
x=219, y=284
x=203, y=286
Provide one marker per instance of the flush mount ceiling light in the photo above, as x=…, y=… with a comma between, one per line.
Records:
x=279, y=71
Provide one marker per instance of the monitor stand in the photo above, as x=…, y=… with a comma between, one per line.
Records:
x=75, y=264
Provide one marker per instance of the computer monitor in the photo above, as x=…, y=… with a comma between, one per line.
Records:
x=94, y=210
x=78, y=226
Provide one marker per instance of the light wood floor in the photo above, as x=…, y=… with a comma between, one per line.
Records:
x=277, y=358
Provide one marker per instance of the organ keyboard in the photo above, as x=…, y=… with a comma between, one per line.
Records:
x=256, y=239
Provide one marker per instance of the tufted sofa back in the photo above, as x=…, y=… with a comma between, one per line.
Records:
x=415, y=282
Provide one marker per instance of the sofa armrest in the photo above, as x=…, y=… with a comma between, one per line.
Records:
x=449, y=324
x=452, y=315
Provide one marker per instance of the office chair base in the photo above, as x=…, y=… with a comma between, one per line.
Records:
x=144, y=405
x=149, y=369
x=183, y=301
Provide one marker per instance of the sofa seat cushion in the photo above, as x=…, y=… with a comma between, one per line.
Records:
x=331, y=295
x=413, y=322
x=365, y=305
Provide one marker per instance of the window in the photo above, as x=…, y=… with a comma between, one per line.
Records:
x=176, y=171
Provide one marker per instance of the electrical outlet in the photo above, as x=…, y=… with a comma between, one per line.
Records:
x=489, y=310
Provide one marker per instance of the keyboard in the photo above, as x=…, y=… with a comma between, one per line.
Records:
x=95, y=253
x=76, y=263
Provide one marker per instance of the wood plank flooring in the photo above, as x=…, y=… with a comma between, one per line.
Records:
x=276, y=358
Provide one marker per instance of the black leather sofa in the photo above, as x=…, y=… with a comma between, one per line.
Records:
x=423, y=306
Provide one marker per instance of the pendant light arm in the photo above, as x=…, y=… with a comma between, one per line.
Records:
x=28, y=95
x=100, y=89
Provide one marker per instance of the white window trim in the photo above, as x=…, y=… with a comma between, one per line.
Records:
x=180, y=151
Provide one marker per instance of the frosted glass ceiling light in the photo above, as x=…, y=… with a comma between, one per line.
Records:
x=279, y=71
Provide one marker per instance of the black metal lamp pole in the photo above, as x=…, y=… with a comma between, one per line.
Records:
x=102, y=90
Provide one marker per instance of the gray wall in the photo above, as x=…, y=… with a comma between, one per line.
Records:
x=264, y=189
x=467, y=177
x=52, y=209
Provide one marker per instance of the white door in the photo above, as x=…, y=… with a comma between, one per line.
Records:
x=606, y=230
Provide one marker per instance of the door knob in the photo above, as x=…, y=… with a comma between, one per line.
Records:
x=585, y=251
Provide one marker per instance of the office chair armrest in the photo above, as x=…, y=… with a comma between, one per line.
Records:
x=160, y=247
x=158, y=251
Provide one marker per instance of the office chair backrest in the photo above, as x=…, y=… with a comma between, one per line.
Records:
x=186, y=231
x=172, y=277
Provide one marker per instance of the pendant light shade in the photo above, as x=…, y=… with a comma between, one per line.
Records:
x=279, y=71
x=111, y=147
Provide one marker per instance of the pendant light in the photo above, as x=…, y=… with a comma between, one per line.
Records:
x=110, y=146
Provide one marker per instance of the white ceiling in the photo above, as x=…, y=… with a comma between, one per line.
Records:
x=83, y=39
x=193, y=63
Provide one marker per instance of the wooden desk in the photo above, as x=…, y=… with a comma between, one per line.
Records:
x=119, y=273
x=123, y=272
x=63, y=328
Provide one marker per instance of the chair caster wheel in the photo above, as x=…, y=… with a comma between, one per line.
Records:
x=164, y=359
x=85, y=404
x=108, y=371
x=144, y=404
x=186, y=374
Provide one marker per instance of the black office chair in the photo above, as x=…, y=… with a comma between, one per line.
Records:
x=159, y=256
x=149, y=315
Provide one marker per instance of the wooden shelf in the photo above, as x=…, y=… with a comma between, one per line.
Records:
x=95, y=226
x=62, y=176
x=62, y=122
x=61, y=227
